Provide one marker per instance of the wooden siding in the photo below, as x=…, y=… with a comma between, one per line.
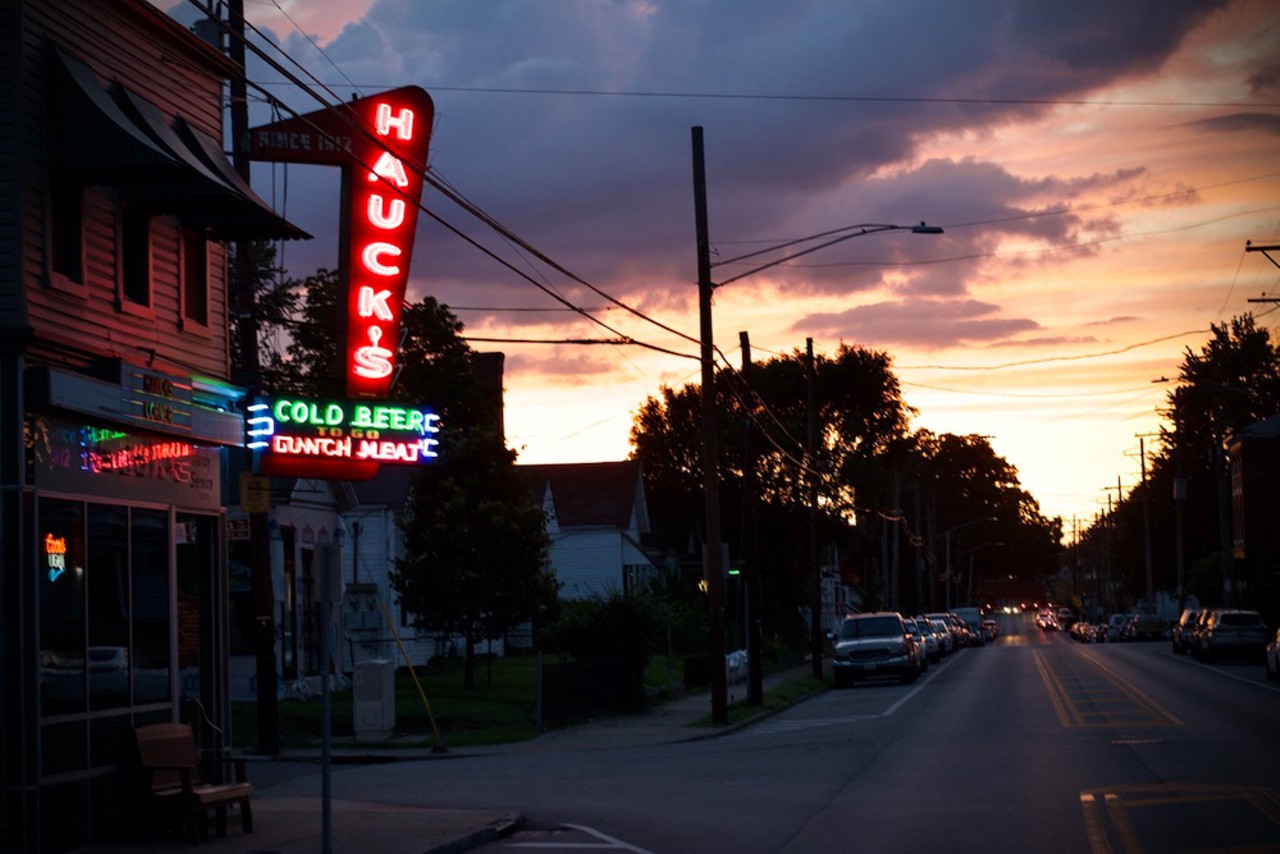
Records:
x=588, y=563
x=169, y=68
x=11, y=79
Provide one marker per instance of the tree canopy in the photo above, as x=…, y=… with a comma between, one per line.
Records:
x=1228, y=383
x=877, y=482
x=475, y=560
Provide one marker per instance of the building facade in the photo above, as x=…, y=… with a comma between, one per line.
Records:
x=1254, y=454
x=116, y=413
x=596, y=517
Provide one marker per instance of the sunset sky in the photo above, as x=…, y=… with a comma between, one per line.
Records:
x=1098, y=168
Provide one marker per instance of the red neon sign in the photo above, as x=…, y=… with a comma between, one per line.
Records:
x=381, y=143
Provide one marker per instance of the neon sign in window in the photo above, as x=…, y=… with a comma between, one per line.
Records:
x=55, y=550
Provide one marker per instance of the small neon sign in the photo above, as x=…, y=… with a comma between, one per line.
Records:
x=55, y=550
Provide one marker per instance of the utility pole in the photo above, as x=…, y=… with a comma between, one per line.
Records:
x=816, y=647
x=751, y=545
x=1146, y=521
x=710, y=451
x=247, y=317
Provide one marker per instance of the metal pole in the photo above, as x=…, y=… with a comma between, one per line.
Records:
x=250, y=376
x=327, y=553
x=811, y=433
x=1146, y=526
x=947, y=574
x=710, y=460
x=753, y=583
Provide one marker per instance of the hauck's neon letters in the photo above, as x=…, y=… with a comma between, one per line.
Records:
x=384, y=214
x=383, y=170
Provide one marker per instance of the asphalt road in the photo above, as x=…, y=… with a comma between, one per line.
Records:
x=1034, y=743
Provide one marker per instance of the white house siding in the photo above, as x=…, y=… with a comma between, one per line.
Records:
x=588, y=562
x=368, y=563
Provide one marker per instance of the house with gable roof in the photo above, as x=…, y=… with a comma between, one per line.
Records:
x=596, y=517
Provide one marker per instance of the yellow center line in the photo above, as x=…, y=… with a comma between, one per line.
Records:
x=1057, y=692
x=1109, y=700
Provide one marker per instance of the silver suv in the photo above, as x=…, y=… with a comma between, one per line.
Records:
x=873, y=645
x=1233, y=631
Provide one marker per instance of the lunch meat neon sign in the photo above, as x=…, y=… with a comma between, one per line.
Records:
x=381, y=144
x=290, y=428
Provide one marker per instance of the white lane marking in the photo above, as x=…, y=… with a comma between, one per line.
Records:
x=606, y=843
x=1191, y=662
x=775, y=726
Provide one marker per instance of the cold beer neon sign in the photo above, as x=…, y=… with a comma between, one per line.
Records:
x=287, y=429
x=381, y=144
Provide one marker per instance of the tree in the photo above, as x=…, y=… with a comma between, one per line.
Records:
x=275, y=304
x=475, y=540
x=970, y=481
x=436, y=365
x=1232, y=381
x=860, y=418
x=475, y=557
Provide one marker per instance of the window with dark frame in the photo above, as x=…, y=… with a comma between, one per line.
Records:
x=66, y=227
x=195, y=277
x=135, y=256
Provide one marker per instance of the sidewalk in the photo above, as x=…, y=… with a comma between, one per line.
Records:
x=290, y=824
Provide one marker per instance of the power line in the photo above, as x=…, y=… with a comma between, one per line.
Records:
x=1049, y=359
x=856, y=99
x=453, y=196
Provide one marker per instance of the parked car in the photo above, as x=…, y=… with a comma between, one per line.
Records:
x=949, y=626
x=1065, y=618
x=946, y=641
x=922, y=642
x=1272, y=653
x=972, y=619
x=872, y=645
x=924, y=630
x=964, y=637
x=1233, y=632
x=1117, y=626
x=1183, y=628
x=1195, y=643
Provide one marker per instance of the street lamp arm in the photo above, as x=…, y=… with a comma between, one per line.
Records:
x=864, y=229
x=967, y=524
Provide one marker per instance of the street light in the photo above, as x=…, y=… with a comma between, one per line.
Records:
x=710, y=459
x=970, y=553
x=947, y=535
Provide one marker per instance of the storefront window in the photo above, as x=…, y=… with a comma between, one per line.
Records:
x=62, y=603
x=105, y=627
x=108, y=591
x=149, y=537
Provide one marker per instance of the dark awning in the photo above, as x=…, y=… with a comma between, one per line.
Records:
x=126, y=141
x=210, y=152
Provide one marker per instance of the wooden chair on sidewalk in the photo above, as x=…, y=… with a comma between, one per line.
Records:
x=178, y=791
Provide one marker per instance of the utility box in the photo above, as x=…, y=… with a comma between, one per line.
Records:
x=374, y=699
